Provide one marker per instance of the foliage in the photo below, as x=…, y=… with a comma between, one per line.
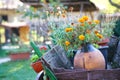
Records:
x=39, y=17
x=115, y=65
x=34, y=58
x=17, y=70
x=3, y=53
x=40, y=12
x=107, y=28
x=117, y=28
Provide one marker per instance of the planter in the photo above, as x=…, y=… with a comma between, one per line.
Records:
x=103, y=42
x=104, y=50
x=19, y=56
x=37, y=66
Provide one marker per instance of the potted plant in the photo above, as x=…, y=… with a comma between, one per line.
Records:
x=36, y=63
x=77, y=36
x=107, y=31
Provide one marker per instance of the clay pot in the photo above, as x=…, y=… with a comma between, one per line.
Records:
x=89, y=58
x=37, y=66
x=104, y=42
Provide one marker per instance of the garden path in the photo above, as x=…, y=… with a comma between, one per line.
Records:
x=3, y=60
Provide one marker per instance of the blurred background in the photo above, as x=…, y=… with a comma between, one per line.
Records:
x=24, y=20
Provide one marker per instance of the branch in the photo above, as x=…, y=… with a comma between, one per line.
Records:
x=114, y=4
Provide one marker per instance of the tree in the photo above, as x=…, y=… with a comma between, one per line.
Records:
x=110, y=6
x=114, y=4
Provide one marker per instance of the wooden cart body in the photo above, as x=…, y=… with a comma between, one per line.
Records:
x=77, y=74
x=61, y=68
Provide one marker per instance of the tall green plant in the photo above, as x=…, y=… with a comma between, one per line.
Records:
x=117, y=28
x=107, y=28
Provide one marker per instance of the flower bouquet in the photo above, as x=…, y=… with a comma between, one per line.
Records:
x=72, y=36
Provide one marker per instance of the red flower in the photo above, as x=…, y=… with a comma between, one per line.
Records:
x=43, y=48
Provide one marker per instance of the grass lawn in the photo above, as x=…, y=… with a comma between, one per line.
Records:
x=3, y=53
x=17, y=70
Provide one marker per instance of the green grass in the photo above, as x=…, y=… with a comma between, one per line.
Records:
x=3, y=53
x=17, y=70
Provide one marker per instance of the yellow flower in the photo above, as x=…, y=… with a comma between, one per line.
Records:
x=99, y=35
x=63, y=15
x=68, y=29
x=64, y=11
x=35, y=9
x=71, y=29
x=97, y=21
x=89, y=22
x=82, y=24
x=58, y=14
x=67, y=43
x=88, y=31
x=81, y=20
x=85, y=18
x=96, y=31
x=81, y=37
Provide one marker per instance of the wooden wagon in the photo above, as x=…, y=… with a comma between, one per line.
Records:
x=57, y=62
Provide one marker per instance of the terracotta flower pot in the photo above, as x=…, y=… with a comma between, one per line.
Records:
x=37, y=66
x=104, y=42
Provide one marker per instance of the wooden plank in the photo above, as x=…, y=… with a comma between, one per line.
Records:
x=113, y=74
x=105, y=75
x=56, y=58
x=61, y=70
x=72, y=75
x=63, y=57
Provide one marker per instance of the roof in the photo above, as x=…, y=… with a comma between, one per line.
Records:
x=81, y=5
x=76, y=4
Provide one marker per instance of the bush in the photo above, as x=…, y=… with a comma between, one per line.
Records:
x=117, y=28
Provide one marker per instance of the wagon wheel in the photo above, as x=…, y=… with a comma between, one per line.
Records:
x=41, y=75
